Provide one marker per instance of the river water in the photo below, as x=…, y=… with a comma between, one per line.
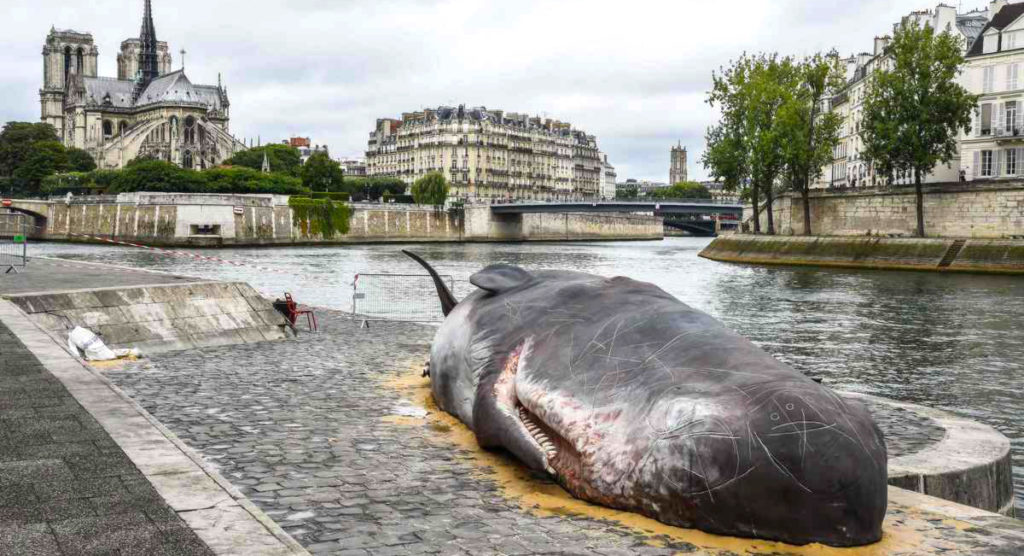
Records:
x=950, y=341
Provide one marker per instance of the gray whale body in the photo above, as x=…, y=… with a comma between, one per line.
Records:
x=633, y=400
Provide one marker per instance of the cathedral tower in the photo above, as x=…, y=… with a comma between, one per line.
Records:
x=64, y=53
x=677, y=169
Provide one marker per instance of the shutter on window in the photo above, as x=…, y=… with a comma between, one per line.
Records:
x=976, y=168
x=995, y=163
x=1009, y=76
x=1000, y=123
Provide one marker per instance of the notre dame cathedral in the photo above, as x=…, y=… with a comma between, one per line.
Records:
x=149, y=110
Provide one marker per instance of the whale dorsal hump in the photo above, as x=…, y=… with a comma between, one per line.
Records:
x=500, y=277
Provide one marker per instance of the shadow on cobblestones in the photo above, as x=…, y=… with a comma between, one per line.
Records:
x=333, y=437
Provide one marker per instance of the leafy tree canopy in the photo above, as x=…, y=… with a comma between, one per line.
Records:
x=682, y=190
x=283, y=159
x=431, y=189
x=914, y=108
x=320, y=173
x=16, y=141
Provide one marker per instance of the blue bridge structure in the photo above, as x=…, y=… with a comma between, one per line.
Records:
x=702, y=217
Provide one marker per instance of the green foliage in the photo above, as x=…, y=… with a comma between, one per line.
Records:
x=333, y=195
x=45, y=159
x=17, y=140
x=398, y=199
x=431, y=189
x=247, y=180
x=283, y=159
x=80, y=161
x=157, y=175
x=320, y=216
x=914, y=108
x=320, y=173
x=627, y=193
x=681, y=190
x=375, y=188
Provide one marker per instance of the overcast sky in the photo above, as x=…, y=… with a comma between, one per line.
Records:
x=633, y=73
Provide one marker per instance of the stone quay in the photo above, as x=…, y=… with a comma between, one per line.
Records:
x=329, y=444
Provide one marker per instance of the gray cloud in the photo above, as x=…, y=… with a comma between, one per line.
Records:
x=634, y=74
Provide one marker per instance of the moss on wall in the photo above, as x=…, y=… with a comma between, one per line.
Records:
x=320, y=217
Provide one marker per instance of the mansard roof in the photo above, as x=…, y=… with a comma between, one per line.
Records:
x=1005, y=17
x=171, y=87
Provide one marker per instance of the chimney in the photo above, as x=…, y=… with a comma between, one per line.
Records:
x=994, y=6
x=880, y=44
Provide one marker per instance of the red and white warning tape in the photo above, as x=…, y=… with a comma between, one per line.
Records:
x=174, y=253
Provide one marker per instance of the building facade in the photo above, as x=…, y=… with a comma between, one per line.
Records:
x=488, y=155
x=848, y=167
x=677, y=166
x=608, y=176
x=305, y=147
x=148, y=110
x=995, y=70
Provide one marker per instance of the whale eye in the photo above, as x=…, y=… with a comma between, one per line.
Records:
x=789, y=407
x=775, y=416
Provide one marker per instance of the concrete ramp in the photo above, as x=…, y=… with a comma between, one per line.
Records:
x=159, y=318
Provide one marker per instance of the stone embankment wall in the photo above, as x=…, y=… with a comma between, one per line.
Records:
x=159, y=318
x=167, y=219
x=482, y=225
x=945, y=255
x=983, y=211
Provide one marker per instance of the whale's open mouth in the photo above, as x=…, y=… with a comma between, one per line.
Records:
x=557, y=454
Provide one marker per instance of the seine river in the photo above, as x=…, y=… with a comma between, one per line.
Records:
x=954, y=342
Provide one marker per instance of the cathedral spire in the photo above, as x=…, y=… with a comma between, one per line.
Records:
x=149, y=59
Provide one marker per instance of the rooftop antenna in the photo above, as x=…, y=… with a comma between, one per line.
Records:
x=183, y=53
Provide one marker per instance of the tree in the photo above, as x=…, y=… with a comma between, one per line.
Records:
x=682, y=190
x=283, y=159
x=320, y=173
x=80, y=161
x=626, y=193
x=17, y=140
x=727, y=155
x=45, y=159
x=914, y=108
x=810, y=135
x=375, y=188
x=431, y=189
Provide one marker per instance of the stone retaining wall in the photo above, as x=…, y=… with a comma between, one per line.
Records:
x=173, y=219
x=159, y=318
x=991, y=256
x=978, y=210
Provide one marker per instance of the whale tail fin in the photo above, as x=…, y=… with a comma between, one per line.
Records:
x=448, y=301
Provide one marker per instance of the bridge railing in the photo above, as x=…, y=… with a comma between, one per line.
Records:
x=636, y=200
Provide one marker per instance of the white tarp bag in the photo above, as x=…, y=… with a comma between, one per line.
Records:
x=90, y=344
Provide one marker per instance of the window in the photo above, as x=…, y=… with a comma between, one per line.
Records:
x=1010, y=155
x=1011, y=118
x=1009, y=40
x=1012, y=77
x=986, y=163
x=988, y=79
x=986, y=119
x=991, y=43
x=108, y=129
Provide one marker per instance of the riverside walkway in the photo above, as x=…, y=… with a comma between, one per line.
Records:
x=325, y=444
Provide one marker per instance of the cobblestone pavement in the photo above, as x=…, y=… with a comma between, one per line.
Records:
x=306, y=429
x=65, y=486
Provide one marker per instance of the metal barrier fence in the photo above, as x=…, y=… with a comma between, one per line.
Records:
x=13, y=241
x=397, y=297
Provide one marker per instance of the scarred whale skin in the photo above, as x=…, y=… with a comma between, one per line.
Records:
x=633, y=400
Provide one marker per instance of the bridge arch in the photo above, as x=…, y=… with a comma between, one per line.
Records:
x=37, y=226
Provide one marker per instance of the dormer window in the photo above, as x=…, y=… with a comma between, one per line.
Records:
x=1010, y=40
x=991, y=42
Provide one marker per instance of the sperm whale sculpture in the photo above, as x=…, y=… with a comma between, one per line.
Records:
x=631, y=399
